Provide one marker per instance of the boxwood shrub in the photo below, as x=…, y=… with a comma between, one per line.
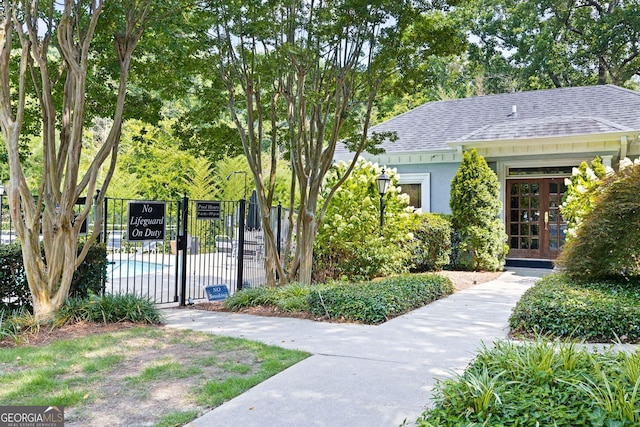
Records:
x=598, y=311
x=14, y=290
x=378, y=301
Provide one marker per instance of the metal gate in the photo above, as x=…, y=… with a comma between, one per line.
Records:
x=206, y=243
x=224, y=246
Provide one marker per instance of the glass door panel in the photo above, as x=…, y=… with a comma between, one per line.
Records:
x=524, y=214
x=535, y=225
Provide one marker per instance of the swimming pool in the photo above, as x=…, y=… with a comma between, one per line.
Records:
x=134, y=267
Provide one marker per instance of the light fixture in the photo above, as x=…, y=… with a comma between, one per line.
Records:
x=244, y=194
x=383, y=185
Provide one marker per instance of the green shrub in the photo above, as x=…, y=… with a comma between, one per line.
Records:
x=14, y=289
x=349, y=241
x=376, y=302
x=539, y=383
x=249, y=297
x=581, y=193
x=476, y=208
x=16, y=324
x=607, y=244
x=109, y=309
x=563, y=307
x=431, y=245
x=289, y=298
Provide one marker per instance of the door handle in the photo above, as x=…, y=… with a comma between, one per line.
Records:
x=546, y=220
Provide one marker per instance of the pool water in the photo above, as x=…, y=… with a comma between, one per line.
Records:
x=134, y=267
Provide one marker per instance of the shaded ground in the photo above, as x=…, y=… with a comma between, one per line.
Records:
x=123, y=405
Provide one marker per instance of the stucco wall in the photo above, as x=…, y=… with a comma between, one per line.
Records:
x=440, y=179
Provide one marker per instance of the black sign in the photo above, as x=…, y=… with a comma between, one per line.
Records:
x=207, y=210
x=146, y=221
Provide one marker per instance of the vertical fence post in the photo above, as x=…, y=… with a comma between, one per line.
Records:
x=279, y=232
x=241, y=244
x=182, y=243
x=176, y=248
x=101, y=236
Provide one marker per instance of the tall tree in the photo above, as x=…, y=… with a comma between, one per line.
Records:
x=304, y=75
x=555, y=43
x=55, y=55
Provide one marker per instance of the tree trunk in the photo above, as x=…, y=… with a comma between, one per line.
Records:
x=52, y=210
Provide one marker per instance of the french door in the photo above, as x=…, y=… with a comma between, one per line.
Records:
x=534, y=223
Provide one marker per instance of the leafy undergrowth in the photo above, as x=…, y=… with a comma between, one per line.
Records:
x=540, y=383
x=19, y=326
x=369, y=302
x=562, y=307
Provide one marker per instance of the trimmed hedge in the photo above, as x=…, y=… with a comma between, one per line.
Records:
x=431, y=246
x=559, y=306
x=376, y=302
x=14, y=290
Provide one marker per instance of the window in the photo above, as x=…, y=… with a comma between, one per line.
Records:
x=417, y=186
x=415, y=194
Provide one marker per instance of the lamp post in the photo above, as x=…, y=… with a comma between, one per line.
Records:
x=383, y=185
x=244, y=193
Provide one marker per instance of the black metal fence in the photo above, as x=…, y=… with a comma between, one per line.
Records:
x=225, y=248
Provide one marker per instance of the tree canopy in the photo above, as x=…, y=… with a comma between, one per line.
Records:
x=555, y=43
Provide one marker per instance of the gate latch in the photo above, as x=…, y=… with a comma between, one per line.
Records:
x=181, y=242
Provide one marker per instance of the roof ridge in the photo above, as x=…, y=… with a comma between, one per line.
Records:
x=623, y=89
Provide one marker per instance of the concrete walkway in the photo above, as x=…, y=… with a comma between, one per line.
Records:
x=361, y=375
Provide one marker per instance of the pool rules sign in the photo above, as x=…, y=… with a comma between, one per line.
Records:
x=146, y=221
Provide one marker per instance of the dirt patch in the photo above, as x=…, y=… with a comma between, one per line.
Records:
x=466, y=279
x=156, y=374
x=45, y=335
x=461, y=280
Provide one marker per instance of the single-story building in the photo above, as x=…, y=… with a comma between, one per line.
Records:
x=532, y=140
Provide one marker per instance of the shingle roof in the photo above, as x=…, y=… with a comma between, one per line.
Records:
x=543, y=113
x=543, y=127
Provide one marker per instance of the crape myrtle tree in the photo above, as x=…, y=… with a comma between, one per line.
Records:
x=47, y=55
x=303, y=75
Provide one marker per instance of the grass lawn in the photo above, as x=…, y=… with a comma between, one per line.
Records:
x=137, y=376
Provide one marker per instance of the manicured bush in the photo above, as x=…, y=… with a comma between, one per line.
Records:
x=378, y=301
x=596, y=311
x=288, y=298
x=431, y=244
x=607, y=243
x=14, y=289
x=476, y=207
x=539, y=384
